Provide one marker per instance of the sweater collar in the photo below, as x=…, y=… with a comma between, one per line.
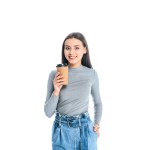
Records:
x=75, y=69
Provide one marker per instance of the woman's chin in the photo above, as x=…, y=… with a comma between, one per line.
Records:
x=72, y=62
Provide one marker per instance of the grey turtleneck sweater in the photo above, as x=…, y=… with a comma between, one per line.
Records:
x=73, y=98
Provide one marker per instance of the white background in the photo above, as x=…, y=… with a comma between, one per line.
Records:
x=31, y=36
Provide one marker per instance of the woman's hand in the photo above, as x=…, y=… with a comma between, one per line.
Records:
x=58, y=83
x=96, y=129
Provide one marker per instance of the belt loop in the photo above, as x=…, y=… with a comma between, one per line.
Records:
x=68, y=123
x=59, y=114
x=60, y=120
x=79, y=122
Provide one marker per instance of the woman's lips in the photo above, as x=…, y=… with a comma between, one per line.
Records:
x=72, y=57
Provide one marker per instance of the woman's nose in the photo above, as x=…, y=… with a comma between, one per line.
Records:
x=71, y=51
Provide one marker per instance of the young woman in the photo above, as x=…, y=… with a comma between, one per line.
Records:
x=73, y=128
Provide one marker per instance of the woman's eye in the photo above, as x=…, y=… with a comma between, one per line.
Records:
x=67, y=48
x=76, y=48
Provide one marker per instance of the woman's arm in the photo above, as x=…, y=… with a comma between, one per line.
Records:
x=95, y=92
x=51, y=98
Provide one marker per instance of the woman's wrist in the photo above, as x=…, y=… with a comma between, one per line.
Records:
x=55, y=93
x=96, y=126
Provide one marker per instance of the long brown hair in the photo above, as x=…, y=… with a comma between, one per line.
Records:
x=86, y=57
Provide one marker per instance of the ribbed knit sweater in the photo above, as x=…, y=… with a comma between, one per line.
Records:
x=73, y=98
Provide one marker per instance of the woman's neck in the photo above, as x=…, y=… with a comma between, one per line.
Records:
x=74, y=65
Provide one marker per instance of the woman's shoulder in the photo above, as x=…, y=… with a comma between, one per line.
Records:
x=52, y=73
x=91, y=70
x=91, y=73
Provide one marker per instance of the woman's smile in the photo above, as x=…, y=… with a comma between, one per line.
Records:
x=72, y=57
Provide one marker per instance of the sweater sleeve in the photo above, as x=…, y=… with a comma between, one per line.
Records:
x=51, y=100
x=96, y=99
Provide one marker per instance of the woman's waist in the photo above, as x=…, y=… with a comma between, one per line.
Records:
x=72, y=110
x=72, y=121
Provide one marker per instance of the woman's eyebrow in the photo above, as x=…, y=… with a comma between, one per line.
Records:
x=67, y=45
x=76, y=45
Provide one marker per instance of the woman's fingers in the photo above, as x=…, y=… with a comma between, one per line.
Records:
x=96, y=129
x=60, y=83
x=60, y=79
x=58, y=73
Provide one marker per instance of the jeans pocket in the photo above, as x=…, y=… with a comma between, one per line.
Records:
x=55, y=132
x=92, y=138
x=92, y=133
x=95, y=134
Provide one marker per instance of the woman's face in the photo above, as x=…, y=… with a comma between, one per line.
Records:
x=74, y=51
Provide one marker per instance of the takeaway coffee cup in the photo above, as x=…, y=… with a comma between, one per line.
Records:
x=63, y=69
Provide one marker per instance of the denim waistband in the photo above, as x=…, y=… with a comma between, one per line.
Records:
x=86, y=114
x=72, y=121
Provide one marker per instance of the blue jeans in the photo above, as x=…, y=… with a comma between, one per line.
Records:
x=73, y=133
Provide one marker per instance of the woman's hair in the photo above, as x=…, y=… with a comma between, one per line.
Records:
x=86, y=57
